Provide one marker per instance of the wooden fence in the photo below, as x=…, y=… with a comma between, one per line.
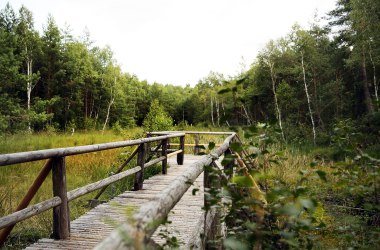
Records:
x=156, y=210
x=61, y=198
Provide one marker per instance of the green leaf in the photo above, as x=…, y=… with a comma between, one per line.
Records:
x=236, y=147
x=222, y=91
x=291, y=209
x=313, y=164
x=308, y=204
x=211, y=145
x=322, y=175
x=240, y=81
x=194, y=191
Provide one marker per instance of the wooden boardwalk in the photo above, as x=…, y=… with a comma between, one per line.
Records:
x=94, y=226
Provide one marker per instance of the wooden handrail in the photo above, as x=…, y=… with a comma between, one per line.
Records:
x=26, y=213
x=56, y=162
x=158, y=209
x=191, y=133
x=14, y=158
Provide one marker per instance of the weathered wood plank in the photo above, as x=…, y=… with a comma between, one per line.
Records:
x=102, y=183
x=29, y=212
x=61, y=215
x=14, y=158
x=158, y=209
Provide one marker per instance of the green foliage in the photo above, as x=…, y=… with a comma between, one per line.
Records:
x=157, y=119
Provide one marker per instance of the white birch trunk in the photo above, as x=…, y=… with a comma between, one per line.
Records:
x=212, y=111
x=217, y=112
x=375, y=85
x=278, y=111
x=29, y=88
x=308, y=99
x=109, y=106
x=246, y=115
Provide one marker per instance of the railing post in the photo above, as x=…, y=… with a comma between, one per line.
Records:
x=196, y=148
x=148, y=147
x=164, y=153
x=139, y=177
x=181, y=155
x=61, y=214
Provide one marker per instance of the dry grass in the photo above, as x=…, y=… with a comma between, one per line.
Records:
x=81, y=170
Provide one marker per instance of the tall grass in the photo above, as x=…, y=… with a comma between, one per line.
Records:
x=81, y=170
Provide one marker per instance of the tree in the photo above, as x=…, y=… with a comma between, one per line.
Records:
x=28, y=41
x=304, y=45
x=157, y=119
x=269, y=56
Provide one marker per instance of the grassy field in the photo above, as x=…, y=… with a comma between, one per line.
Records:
x=81, y=170
x=344, y=225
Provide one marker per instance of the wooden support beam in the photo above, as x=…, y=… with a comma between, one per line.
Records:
x=196, y=148
x=139, y=177
x=180, y=156
x=61, y=214
x=164, y=153
x=118, y=171
x=28, y=197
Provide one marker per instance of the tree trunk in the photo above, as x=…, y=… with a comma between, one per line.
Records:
x=109, y=106
x=308, y=99
x=278, y=111
x=375, y=86
x=247, y=115
x=217, y=112
x=212, y=112
x=29, y=87
x=367, y=95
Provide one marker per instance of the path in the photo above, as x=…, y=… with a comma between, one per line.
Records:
x=91, y=228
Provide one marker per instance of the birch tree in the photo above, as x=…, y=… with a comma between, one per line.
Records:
x=268, y=57
x=303, y=43
x=29, y=46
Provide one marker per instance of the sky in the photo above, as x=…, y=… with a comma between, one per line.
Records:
x=178, y=41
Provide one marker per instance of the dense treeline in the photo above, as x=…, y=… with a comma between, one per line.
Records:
x=304, y=82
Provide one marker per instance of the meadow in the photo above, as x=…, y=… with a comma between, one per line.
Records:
x=81, y=170
x=339, y=221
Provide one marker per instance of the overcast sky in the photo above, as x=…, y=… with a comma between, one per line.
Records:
x=178, y=41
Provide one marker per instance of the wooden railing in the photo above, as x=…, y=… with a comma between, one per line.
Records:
x=145, y=221
x=56, y=162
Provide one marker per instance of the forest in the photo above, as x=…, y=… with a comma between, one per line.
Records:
x=310, y=99
x=304, y=83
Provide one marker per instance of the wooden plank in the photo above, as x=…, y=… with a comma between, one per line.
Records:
x=175, y=153
x=99, y=222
